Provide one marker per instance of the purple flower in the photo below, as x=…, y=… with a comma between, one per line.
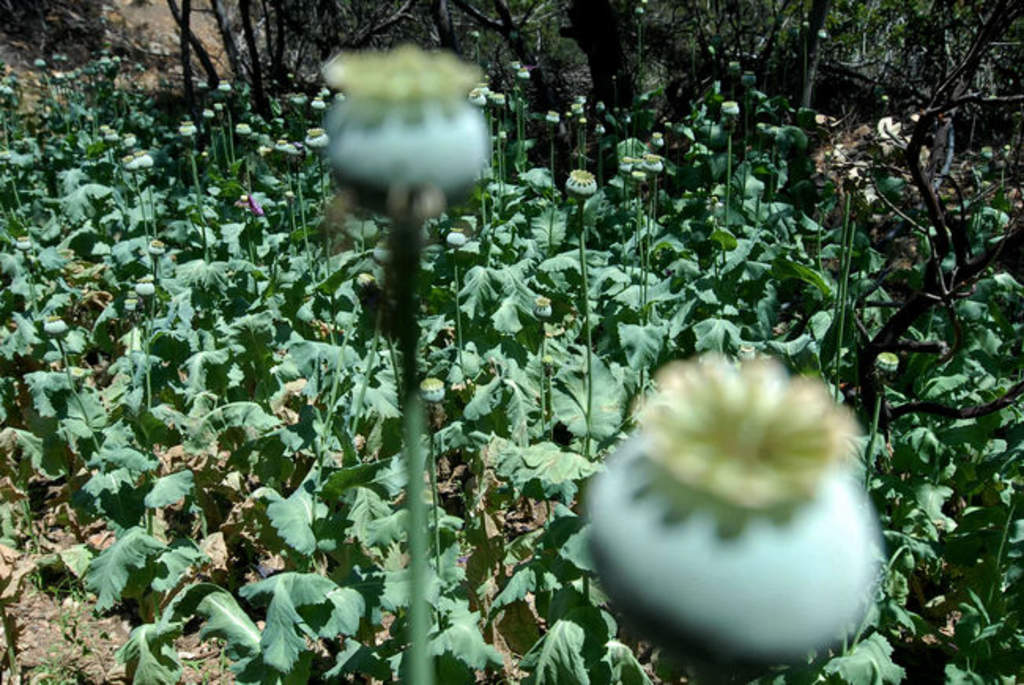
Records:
x=255, y=207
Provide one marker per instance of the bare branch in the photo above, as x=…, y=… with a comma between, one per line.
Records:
x=959, y=412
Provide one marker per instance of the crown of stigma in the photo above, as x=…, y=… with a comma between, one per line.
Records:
x=405, y=75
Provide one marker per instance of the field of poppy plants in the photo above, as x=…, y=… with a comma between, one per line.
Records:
x=389, y=387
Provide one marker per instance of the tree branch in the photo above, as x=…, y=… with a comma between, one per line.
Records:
x=184, y=26
x=962, y=412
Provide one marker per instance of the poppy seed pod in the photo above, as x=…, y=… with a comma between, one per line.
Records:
x=140, y=161
x=316, y=138
x=432, y=390
x=581, y=184
x=156, y=248
x=887, y=363
x=23, y=243
x=653, y=164
x=406, y=123
x=478, y=97
x=542, y=308
x=55, y=327
x=144, y=287
x=758, y=545
x=456, y=238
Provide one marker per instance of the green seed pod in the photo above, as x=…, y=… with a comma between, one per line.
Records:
x=887, y=363
x=316, y=138
x=432, y=390
x=581, y=184
x=381, y=253
x=55, y=327
x=23, y=243
x=406, y=124
x=542, y=308
x=187, y=129
x=478, y=97
x=653, y=164
x=731, y=520
x=145, y=287
x=456, y=238
x=156, y=248
x=137, y=162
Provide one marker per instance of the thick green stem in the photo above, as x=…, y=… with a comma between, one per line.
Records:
x=586, y=327
x=405, y=253
x=846, y=257
x=435, y=504
x=198, y=202
x=458, y=316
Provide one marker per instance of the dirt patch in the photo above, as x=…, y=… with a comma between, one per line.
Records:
x=142, y=31
x=60, y=640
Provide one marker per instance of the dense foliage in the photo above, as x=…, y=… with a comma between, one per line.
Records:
x=197, y=351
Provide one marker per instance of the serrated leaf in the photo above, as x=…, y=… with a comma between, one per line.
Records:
x=784, y=268
x=551, y=469
x=292, y=518
x=868, y=663
x=558, y=660
x=462, y=637
x=151, y=651
x=717, y=335
x=283, y=638
x=641, y=344
x=224, y=619
x=170, y=489
x=569, y=400
x=109, y=572
x=174, y=562
x=625, y=669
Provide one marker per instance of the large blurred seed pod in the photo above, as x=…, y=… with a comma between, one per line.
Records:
x=729, y=527
x=405, y=125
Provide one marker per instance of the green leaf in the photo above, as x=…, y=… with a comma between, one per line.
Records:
x=170, y=489
x=641, y=344
x=477, y=291
x=506, y=318
x=545, y=468
x=717, y=335
x=548, y=229
x=109, y=572
x=151, y=651
x=362, y=475
x=174, y=562
x=224, y=619
x=624, y=668
x=785, y=269
x=868, y=663
x=284, y=594
x=569, y=400
x=557, y=659
x=462, y=637
x=292, y=518
x=726, y=240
